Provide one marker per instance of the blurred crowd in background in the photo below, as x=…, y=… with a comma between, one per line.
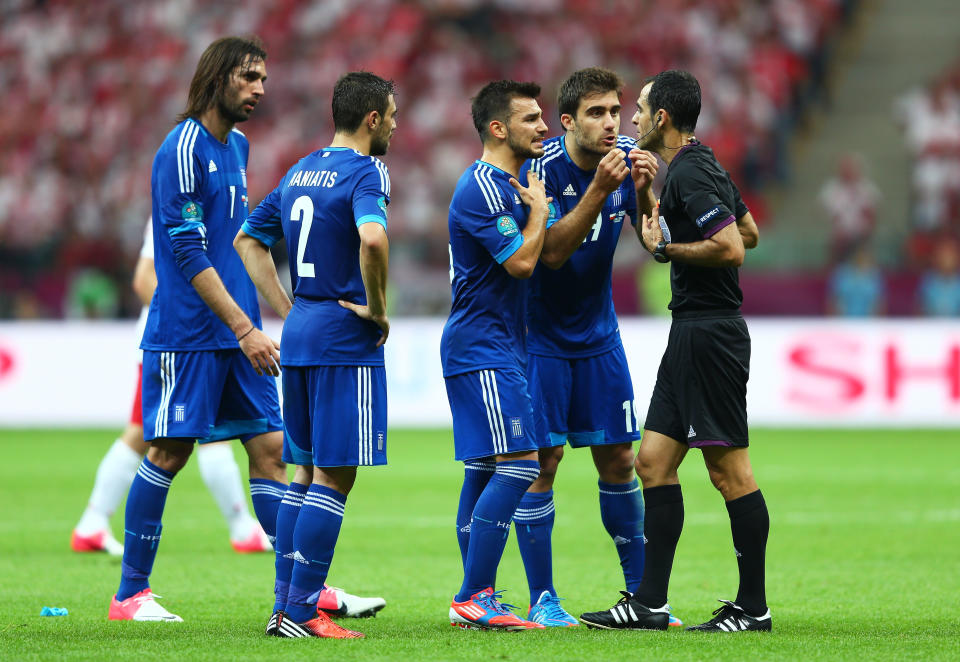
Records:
x=96, y=86
x=930, y=274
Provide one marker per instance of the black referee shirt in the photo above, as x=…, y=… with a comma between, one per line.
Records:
x=698, y=199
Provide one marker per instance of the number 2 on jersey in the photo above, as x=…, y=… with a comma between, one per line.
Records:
x=302, y=211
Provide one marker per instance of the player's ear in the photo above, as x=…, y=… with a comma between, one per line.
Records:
x=373, y=120
x=568, y=121
x=498, y=129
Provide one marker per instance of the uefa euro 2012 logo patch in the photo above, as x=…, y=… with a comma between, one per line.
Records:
x=507, y=226
x=382, y=203
x=191, y=211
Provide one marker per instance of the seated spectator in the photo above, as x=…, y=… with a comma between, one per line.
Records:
x=856, y=287
x=850, y=201
x=939, y=291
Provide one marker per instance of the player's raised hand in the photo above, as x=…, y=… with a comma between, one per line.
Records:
x=644, y=168
x=651, y=234
x=534, y=193
x=363, y=312
x=262, y=351
x=611, y=171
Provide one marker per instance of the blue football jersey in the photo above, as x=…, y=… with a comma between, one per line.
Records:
x=488, y=314
x=199, y=188
x=570, y=313
x=317, y=207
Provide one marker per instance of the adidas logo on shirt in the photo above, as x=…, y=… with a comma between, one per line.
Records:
x=691, y=433
x=212, y=167
x=516, y=199
x=569, y=190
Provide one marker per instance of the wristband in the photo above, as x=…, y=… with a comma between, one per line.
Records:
x=247, y=333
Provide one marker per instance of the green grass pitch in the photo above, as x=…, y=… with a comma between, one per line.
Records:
x=863, y=559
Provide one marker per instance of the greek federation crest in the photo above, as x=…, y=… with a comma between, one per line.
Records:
x=507, y=226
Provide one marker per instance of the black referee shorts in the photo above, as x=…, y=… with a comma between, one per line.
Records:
x=701, y=393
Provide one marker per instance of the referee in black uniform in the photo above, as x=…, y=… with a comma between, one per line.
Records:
x=700, y=399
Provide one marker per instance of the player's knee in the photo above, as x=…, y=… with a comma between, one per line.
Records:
x=340, y=479
x=618, y=466
x=265, y=453
x=550, y=463
x=171, y=457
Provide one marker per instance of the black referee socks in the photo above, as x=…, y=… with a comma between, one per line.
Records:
x=663, y=523
x=750, y=524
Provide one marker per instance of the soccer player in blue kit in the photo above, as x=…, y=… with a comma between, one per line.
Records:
x=577, y=369
x=208, y=369
x=496, y=233
x=332, y=209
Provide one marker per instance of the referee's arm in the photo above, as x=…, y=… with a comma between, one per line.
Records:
x=724, y=248
x=748, y=230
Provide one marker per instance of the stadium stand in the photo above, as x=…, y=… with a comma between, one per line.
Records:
x=99, y=84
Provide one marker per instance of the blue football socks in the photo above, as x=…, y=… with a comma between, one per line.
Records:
x=142, y=526
x=490, y=524
x=476, y=475
x=534, y=526
x=314, y=539
x=266, y=496
x=621, y=511
x=287, y=515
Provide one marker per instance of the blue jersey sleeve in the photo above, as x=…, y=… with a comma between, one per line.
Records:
x=485, y=219
x=181, y=207
x=264, y=223
x=631, y=206
x=372, y=194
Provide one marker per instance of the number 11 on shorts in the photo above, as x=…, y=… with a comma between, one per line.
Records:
x=630, y=414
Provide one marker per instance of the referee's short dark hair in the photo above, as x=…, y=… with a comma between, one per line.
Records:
x=355, y=95
x=678, y=93
x=592, y=80
x=493, y=102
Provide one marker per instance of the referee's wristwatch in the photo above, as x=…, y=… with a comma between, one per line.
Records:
x=660, y=252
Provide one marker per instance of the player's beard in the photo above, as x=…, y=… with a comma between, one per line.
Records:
x=597, y=148
x=380, y=141
x=233, y=112
x=524, y=149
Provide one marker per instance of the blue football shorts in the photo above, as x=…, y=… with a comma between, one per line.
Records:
x=335, y=416
x=588, y=401
x=492, y=413
x=208, y=396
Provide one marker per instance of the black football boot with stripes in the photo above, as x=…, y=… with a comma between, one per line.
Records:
x=628, y=614
x=732, y=618
x=273, y=624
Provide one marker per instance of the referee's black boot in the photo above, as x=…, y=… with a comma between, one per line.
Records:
x=732, y=618
x=628, y=614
